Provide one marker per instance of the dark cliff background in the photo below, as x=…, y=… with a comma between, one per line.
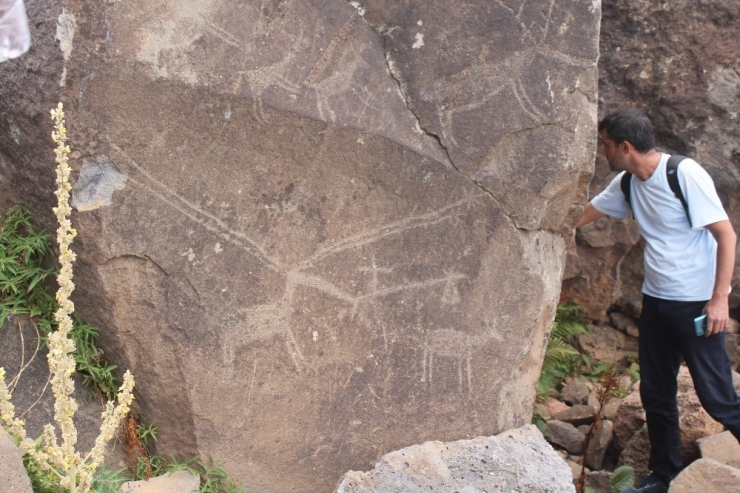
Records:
x=680, y=63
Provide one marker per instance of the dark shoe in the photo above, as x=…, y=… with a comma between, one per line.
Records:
x=651, y=484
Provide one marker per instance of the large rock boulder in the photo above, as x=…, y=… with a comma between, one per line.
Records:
x=704, y=474
x=679, y=62
x=304, y=225
x=516, y=460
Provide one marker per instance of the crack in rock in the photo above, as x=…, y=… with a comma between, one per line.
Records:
x=383, y=32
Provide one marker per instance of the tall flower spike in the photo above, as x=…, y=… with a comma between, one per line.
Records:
x=73, y=472
x=61, y=363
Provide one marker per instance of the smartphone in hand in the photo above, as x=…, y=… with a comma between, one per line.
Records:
x=700, y=325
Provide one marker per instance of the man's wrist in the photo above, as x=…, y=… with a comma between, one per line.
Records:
x=721, y=297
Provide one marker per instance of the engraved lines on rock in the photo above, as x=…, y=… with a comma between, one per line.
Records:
x=481, y=86
x=260, y=79
x=484, y=86
x=328, y=87
x=456, y=346
x=273, y=320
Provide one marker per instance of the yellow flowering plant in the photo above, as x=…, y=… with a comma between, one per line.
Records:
x=60, y=458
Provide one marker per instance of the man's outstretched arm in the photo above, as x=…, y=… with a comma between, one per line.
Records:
x=590, y=214
x=717, y=309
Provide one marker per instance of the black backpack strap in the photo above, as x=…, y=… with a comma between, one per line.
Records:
x=625, y=184
x=671, y=170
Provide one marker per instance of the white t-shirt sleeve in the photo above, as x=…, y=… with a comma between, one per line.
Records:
x=698, y=189
x=611, y=201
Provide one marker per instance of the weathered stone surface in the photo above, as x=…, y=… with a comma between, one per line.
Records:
x=13, y=476
x=516, y=460
x=630, y=418
x=27, y=373
x=605, y=343
x=577, y=415
x=653, y=59
x=554, y=406
x=597, y=446
x=706, y=475
x=636, y=453
x=565, y=435
x=611, y=408
x=575, y=393
x=177, y=482
x=323, y=208
x=625, y=323
x=592, y=260
x=575, y=468
x=722, y=447
x=599, y=481
x=694, y=420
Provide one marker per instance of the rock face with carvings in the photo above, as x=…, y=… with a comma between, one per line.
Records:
x=305, y=225
x=680, y=63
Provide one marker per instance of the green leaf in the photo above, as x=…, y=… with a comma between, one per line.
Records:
x=622, y=478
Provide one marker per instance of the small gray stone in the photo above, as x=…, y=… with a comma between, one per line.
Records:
x=575, y=468
x=599, y=481
x=636, y=454
x=609, y=410
x=575, y=393
x=625, y=323
x=96, y=184
x=566, y=435
x=577, y=415
x=598, y=445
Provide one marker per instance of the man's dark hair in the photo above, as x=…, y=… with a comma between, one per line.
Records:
x=629, y=125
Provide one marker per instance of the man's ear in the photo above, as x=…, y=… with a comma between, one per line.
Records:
x=626, y=147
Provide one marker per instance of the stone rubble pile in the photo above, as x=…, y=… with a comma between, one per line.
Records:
x=622, y=439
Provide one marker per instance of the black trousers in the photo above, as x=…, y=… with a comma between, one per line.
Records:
x=666, y=336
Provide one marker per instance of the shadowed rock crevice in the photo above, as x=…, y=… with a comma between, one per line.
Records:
x=402, y=92
x=393, y=73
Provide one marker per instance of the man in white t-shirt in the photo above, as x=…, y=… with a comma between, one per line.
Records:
x=689, y=258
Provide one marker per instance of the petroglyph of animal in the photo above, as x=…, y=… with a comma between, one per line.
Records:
x=258, y=324
x=456, y=346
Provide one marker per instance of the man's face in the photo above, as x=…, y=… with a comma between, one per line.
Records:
x=612, y=153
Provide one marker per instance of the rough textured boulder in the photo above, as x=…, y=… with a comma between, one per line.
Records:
x=598, y=445
x=707, y=475
x=566, y=435
x=13, y=476
x=722, y=447
x=637, y=453
x=304, y=225
x=679, y=62
x=516, y=460
x=694, y=420
x=176, y=482
x=604, y=343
